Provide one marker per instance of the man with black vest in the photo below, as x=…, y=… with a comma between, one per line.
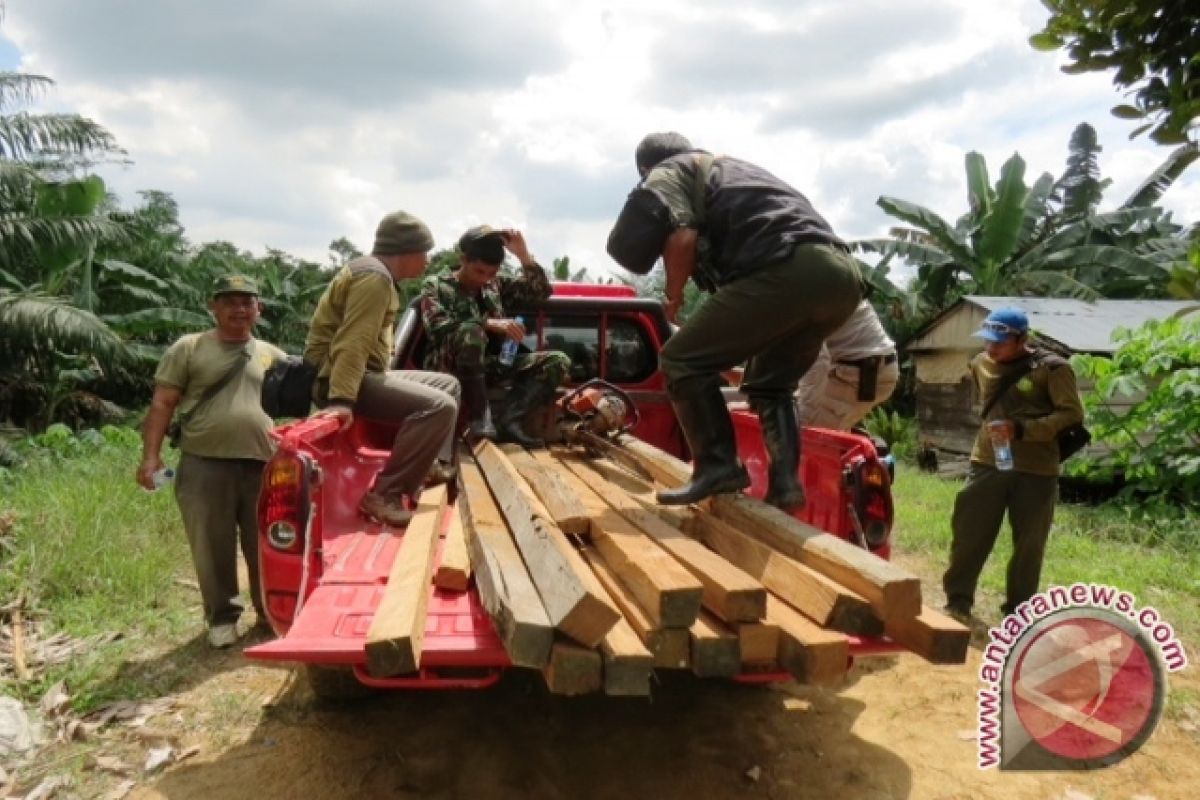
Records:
x=781, y=281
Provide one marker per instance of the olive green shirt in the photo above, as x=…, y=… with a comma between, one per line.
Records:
x=352, y=329
x=232, y=424
x=1042, y=403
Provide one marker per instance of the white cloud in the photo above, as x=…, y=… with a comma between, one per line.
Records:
x=289, y=124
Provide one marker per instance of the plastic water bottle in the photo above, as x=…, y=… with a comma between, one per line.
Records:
x=1001, y=445
x=162, y=477
x=508, y=350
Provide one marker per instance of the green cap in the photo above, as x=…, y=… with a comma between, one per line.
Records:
x=399, y=233
x=234, y=284
x=484, y=243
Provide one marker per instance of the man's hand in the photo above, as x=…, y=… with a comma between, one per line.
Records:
x=509, y=328
x=514, y=240
x=146, y=470
x=672, y=307
x=344, y=415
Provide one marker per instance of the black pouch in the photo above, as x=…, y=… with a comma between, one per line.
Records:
x=1071, y=440
x=174, y=432
x=868, y=379
x=287, y=389
x=636, y=240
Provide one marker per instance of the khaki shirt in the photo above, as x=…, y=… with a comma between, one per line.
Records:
x=232, y=424
x=1042, y=403
x=352, y=328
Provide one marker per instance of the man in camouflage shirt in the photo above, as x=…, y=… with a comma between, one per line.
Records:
x=462, y=309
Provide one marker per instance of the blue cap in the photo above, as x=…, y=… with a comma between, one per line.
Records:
x=1003, y=323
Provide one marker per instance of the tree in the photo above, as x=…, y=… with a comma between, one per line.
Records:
x=1152, y=45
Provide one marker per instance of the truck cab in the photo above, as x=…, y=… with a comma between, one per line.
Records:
x=324, y=568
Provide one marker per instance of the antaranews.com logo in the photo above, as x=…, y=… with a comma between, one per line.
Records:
x=1073, y=679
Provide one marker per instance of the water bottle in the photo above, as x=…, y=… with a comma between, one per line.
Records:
x=162, y=477
x=508, y=350
x=997, y=429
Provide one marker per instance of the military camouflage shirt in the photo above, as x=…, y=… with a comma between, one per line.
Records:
x=446, y=306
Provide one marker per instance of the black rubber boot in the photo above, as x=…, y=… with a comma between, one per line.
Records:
x=781, y=435
x=524, y=397
x=479, y=412
x=706, y=424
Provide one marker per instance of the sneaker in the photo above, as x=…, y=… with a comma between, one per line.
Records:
x=387, y=510
x=222, y=636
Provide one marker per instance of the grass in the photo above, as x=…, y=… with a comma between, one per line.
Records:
x=1157, y=562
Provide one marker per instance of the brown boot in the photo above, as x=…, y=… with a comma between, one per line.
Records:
x=386, y=510
x=440, y=472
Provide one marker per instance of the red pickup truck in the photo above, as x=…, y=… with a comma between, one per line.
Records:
x=324, y=568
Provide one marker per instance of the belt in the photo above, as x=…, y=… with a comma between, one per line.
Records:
x=860, y=362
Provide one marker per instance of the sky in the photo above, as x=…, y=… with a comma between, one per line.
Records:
x=290, y=123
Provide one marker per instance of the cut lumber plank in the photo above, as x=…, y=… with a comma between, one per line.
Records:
x=561, y=502
x=627, y=663
x=454, y=569
x=821, y=599
x=669, y=647
x=729, y=592
x=638, y=489
x=716, y=651
x=505, y=588
x=665, y=589
x=891, y=591
x=573, y=670
x=933, y=636
x=809, y=652
x=759, y=642
x=397, y=633
x=574, y=600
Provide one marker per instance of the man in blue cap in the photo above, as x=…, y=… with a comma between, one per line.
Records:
x=1027, y=395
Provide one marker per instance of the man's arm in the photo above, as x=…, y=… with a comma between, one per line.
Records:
x=679, y=258
x=532, y=285
x=367, y=301
x=154, y=429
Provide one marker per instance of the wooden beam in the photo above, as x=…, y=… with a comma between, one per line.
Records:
x=613, y=473
x=716, y=651
x=821, y=599
x=669, y=593
x=575, y=602
x=561, y=502
x=505, y=588
x=397, y=633
x=932, y=635
x=666, y=468
x=670, y=648
x=758, y=643
x=573, y=670
x=810, y=653
x=891, y=591
x=627, y=663
x=454, y=569
x=729, y=592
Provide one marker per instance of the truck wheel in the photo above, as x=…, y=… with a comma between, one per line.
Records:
x=335, y=684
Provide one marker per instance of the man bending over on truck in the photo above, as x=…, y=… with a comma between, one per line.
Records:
x=464, y=309
x=216, y=378
x=350, y=343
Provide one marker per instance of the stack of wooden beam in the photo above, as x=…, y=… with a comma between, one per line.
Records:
x=589, y=580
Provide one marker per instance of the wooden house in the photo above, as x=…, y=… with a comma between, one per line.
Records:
x=946, y=415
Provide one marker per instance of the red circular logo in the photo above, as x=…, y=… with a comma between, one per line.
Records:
x=1085, y=689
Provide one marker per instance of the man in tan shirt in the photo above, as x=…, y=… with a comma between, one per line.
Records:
x=216, y=378
x=350, y=343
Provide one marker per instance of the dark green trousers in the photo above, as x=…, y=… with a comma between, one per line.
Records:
x=773, y=321
x=979, y=510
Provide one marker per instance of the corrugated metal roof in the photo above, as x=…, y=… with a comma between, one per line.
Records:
x=1081, y=326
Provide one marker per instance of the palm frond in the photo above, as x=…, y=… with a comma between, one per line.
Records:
x=38, y=323
x=1049, y=283
x=1036, y=206
x=912, y=252
x=949, y=240
x=21, y=235
x=158, y=320
x=23, y=135
x=129, y=272
x=1157, y=183
x=1002, y=227
x=19, y=87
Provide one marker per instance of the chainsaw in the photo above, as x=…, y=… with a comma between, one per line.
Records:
x=593, y=415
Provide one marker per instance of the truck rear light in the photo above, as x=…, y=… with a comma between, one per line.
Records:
x=283, y=504
x=872, y=507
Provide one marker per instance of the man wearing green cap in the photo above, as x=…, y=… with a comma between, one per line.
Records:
x=465, y=308
x=350, y=343
x=215, y=378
